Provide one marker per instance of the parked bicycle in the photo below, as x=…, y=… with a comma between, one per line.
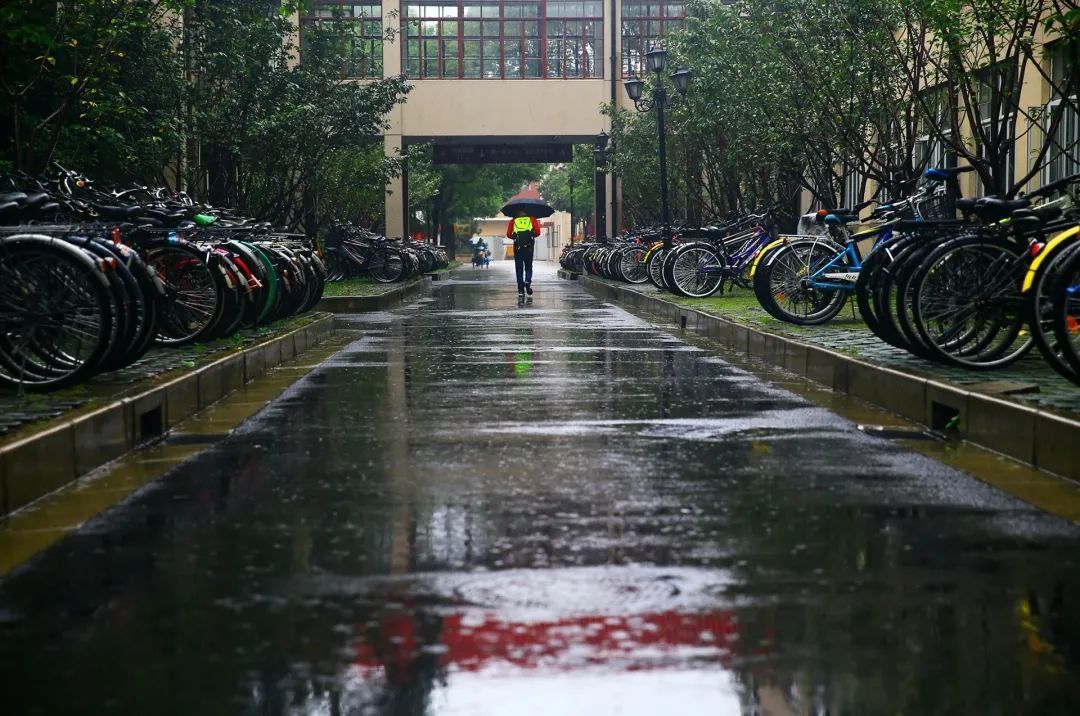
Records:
x=92, y=279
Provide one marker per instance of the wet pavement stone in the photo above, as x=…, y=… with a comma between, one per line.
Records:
x=21, y=409
x=846, y=334
x=551, y=508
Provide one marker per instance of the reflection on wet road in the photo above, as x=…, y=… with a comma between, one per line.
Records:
x=480, y=508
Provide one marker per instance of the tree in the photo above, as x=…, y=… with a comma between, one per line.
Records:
x=94, y=83
x=976, y=56
x=262, y=129
x=555, y=188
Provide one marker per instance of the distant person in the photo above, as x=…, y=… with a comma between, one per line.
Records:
x=523, y=230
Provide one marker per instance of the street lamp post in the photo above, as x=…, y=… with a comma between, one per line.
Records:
x=571, y=182
x=656, y=61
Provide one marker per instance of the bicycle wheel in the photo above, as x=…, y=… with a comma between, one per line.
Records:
x=317, y=271
x=1065, y=299
x=152, y=292
x=1040, y=287
x=654, y=265
x=965, y=303
x=234, y=295
x=695, y=270
x=387, y=266
x=55, y=300
x=123, y=292
x=194, y=293
x=785, y=289
x=632, y=264
x=889, y=298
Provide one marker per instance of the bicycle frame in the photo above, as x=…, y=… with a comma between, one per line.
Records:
x=826, y=279
x=735, y=262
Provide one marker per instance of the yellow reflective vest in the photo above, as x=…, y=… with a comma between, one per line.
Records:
x=522, y=224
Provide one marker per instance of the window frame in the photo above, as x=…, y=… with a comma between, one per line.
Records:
x=985, y=79
x=1059, y=162
x=850, y=190
x=484, y=40
x=370, y=59
x=930, y=144
x=632, y=63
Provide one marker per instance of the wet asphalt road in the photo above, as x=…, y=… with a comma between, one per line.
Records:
x=553, y=509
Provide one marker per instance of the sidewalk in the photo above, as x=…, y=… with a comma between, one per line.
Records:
x=1026, y=410
x=21, y=413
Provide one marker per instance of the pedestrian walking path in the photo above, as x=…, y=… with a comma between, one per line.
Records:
x=551, y=508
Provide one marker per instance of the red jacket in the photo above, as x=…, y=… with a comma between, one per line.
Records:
x=535, y=228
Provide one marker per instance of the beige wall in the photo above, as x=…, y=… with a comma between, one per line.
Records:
x=555, y=110
x=516, y=108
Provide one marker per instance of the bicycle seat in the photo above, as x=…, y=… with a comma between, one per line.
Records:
x=34, y=201
x=119, y=212
x=966, y=205
x=992, y=209
x=1041, y=214
x=841, y=217
x=9, y=207
x=946, y=173
x=13, y=197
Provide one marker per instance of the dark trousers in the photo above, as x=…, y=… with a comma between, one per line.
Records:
x=523, y=265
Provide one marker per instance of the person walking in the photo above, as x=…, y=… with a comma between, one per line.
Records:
x=523, y=229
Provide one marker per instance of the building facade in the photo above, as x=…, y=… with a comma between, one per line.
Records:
x=506, y=79
x=499, y=77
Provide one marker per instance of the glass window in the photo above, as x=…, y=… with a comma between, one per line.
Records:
x=1063, y=155
x=505, y=39
x=356, y=33
x=574, y=43
x=644, y=24
x=992, y=101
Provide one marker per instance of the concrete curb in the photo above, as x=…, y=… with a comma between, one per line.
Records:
x=1035, y=437
x=367, y=304
x=38, y=464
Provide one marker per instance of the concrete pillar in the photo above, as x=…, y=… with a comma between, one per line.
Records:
x=394, y=205
x=391, y=49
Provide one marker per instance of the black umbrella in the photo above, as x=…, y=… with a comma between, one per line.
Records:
x=532, y=207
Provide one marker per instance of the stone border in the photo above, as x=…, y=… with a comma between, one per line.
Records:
x=38, y=464
x=1035, y=437
x=382, y=302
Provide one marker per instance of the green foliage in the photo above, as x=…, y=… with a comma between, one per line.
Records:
x=94, y=82
x=555, y=188
x=799, y=93
x=202, y=94
x=350, y=184
x=267, y=131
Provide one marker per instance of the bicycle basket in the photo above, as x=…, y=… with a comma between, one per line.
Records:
x=937, y=206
